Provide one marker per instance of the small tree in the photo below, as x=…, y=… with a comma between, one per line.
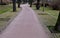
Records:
x=38, y=4
x=43, y=1
x=14, y=5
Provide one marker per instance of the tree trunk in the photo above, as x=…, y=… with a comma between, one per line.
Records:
x=57, y=27
x=18, y=5
x=14, y=5
x=30, y=2
x=19, y=2
x=1, y=1
x=38, y=4
x=24, y=1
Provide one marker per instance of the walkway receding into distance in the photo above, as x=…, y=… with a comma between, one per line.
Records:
x=25, y=25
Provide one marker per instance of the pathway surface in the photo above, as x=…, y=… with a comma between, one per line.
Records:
x=25, y=25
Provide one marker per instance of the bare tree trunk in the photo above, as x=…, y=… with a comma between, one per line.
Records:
x=38, y=4
x=19, y=2
x=30, y=2
x=14, y=5
x=1, y=2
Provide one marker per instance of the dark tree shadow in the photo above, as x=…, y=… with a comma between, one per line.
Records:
x=52, y=29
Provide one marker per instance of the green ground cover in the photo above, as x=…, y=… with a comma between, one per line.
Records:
x=5, y=8
x=48, y=10
x=7, y=14
x=48, y=17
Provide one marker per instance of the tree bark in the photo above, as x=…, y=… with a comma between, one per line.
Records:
x=1, y=1
x=19, y=2
x=14, y=5
x=38, y=4
x=30, y=2
x=24, y=1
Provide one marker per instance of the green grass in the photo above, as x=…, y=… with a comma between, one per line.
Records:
x=5, y=8
x=48, y=17
x=49, y=10
x=6, y=14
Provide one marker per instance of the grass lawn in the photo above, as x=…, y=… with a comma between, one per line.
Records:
x=48, y=17
x=5, y=8
x=48, y=10
x=6, y=16
x=53, y=13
